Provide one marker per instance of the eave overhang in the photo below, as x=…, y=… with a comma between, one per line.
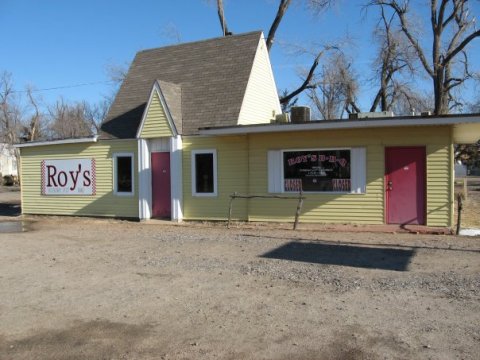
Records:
x=466, y=129
x=58, y=142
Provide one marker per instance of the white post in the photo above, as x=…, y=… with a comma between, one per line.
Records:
x=176, y=178
x=144, y=181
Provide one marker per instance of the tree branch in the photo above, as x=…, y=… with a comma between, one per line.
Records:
x=221, y=17
x=403, y=22
x=306, y=84
x=282, y=8
x=460, y=47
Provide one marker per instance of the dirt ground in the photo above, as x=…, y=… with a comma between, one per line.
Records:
x=73, y=288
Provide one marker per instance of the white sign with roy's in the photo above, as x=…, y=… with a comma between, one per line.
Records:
x=68, y=177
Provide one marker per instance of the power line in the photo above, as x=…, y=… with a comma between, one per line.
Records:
x=67, y=86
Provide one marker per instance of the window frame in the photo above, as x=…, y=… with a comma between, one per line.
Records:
x=115, y=174
x=194, y=173
x=282, y=170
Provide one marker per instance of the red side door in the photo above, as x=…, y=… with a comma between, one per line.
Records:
x=405, y=181
x=161, y=200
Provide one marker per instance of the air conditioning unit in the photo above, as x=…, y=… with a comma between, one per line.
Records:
x=371, y=115
x=281, y=118
x=299, y=114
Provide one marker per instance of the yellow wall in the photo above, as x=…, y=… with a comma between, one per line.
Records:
x=365, y=208
x=232, y=170
x=156, y=123
x=104, y=203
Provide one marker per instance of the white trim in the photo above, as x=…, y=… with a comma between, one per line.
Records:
x=144, y=180
x=160, y=144
x=274, y=171
x=58, y=142
x=156, y=89
x=215, y=190
x=358, y=170
x=176, y=178
x=114, y=157
x=340, y=124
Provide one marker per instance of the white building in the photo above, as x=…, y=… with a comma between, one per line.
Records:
x=8, y=161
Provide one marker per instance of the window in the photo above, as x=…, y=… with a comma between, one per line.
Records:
x=204, y=172
x=317, y=170
x=123, y=174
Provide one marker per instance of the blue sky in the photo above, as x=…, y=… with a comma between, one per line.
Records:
x=60, y=43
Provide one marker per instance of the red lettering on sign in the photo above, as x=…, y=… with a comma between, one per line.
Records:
x=51, y=175
x=86, y=178
x=62, y=174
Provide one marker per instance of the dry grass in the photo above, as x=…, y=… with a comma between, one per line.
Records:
x=471, y=204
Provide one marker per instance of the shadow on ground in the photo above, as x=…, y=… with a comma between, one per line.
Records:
x=7, y=209
x=345, y=255
x=85, y=340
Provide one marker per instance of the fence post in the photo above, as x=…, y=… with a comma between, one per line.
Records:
x=299, y=208
x=230, y=209
x=460, y=207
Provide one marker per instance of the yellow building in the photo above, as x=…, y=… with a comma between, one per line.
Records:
x=194, y=123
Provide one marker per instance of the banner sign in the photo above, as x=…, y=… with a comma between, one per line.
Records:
x=317, y=170
x=68, y=177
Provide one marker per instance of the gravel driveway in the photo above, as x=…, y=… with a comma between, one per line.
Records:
x=75, y=288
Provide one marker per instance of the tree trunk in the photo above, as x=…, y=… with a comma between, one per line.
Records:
x=441, y=94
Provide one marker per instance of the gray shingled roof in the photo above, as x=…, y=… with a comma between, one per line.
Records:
x=212, y=75
x=173, y=97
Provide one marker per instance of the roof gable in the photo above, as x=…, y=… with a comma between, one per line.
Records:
x=261, y=102
x=210, y=75
x=156, y=120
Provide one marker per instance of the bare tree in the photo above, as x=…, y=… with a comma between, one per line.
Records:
x=171, y=33
x=452, y=29
x=10, y=113
x=334, y=89
x=69, y=121
x=96, y=113
x=33, y=125
x=316, y=6
x=409, y=102
x=395, y=59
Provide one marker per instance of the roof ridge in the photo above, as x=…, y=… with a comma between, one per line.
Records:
x=202, y=41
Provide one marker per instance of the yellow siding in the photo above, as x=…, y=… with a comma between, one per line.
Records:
x=365, y=208
x=232, y=168
x=156, y=123
x=323, y=208
x=261, y=98
x=439, y=176
x=104, y=203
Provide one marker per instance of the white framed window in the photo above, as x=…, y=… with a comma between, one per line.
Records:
x=338, y=170
x=123, y=175
x=204, y=172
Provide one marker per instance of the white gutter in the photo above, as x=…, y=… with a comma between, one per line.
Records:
x=340, y=124
x=58, y=142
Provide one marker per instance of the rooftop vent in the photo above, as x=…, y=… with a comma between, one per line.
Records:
x=299, y=114
x=371, y=115
x=281, y=118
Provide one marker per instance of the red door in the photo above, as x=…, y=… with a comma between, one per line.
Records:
x=161, y=184
x=405, y=185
